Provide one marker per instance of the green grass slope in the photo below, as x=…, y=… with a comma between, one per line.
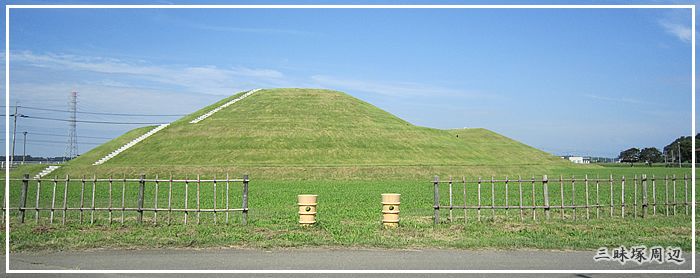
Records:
x=309, y=127
x=101, y=151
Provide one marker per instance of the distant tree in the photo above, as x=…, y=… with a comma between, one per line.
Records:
x=631, y=155
x=650, y=155
x=686, y=149
x=697, y=154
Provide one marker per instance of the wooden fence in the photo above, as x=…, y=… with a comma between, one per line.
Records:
x=566, y=195
x=113, y=196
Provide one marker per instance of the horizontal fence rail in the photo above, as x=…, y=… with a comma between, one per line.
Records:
x=663, y=195
x=112, y=198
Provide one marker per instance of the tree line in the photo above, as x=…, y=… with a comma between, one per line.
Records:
x=680, y=151
x=19, y=158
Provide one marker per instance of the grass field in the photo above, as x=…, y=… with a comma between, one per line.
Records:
x=295, y=141
x=349, y=214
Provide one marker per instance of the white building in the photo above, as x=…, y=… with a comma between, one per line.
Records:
x=579, y=159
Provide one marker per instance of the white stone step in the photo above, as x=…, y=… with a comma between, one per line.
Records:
x=130, y=144
x=46, y=171
x=202, y=117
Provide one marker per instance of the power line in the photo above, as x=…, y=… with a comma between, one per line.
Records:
x=57, y=135
x=61, y=142
x=31, y=141
x=92, y=122
x=108, y=114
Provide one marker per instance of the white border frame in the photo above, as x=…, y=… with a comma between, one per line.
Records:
x=7, y=123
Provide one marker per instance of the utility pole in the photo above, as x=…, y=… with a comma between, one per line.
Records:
x=673, y=157
x=24, y=155
x=680, y=162
x=14, y=131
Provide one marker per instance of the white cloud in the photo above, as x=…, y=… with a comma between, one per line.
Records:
x=683, y=32
x=203, y=79
x=215, y=80
x=678, y=22
x=110, y=85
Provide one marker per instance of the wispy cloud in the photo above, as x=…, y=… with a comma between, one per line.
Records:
x=202, y=79
x=677, y=22
x=628, y=100
x=244, y=30
x=683, y=32
x=171, y=20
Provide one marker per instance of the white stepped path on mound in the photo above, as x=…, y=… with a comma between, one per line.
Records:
x=200, y=118
x=46, y=171
x=130, y=144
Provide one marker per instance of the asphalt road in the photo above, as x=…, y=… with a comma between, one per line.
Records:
x=331, y=262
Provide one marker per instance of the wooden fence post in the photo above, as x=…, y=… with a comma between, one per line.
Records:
x=622, y=202
x=612, y=194
x=227, y=190
x=686, y=194
x=198, y=209
x=142, y=184
x=464, y=183
x=92, y=203
x=38, y=189
x=635, y=196
x=451, y=200
x=653, y=191
x=507, y=205
x=667, y=196
x=123, y=196
x=23, y=198
x=493, y=200
x=644, y=195
x=597, y=197
x=561, y=181
x=674, y=194
x=53, y=198
x=82, y=198
x=65, y=198
x=110, y=200
x=187, y=189
x=546, y=196
x=534, y=204
x=520, y=187
x=170, y=197
x=244, y=216
x=478, y=196
x=573, y=196
x=437, y=200
x=214, y=199
x=155, y=203
x=588, y=211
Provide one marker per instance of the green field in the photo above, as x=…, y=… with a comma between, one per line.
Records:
x=349, y=215
x=294, y=141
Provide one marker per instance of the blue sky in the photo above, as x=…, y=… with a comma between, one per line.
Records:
x=567, y=81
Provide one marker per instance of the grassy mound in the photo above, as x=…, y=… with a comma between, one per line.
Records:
x=305, y=127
